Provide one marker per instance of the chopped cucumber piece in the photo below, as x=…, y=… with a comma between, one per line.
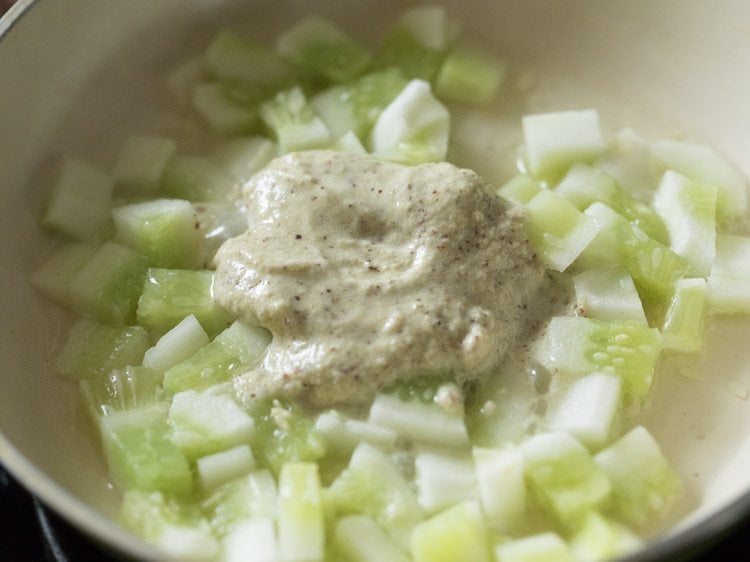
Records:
x=563, y=476
x=584, y=185
x=322, y=50
x=80, y=202
x=469, y=76
x=629, y=161
x=301, y=531
x=94, y=349
x=684, y=327
x=224, y=466
x=416, y=42
x=598, y=539
x=689, y=211
x=230, y=57
x=293, y=121
x=343, y=434
x=221, y=112
x=588, y=408
x=174, y=526
x=231, y=352
x=443, y=478
x=349, y=142
x=520, y=189
x=580, y=346
x=285, y=435
x=655, y=268
x=644, y=484
x=253, y=540
x=557, y=230
x=170, y=295
x=162, y=230
x=608, y=294
x=251, y=497
x=140, y=453
x=332, y=106
x=54, y=276
x=413, y=128
x=702, y=164
x=109, y=284
x=554, y=141
x=240, y=158
x=419, y=422
x=120, y=389
x=728, y=287
x=204, y=423
x=360, y=539
x=544, y=547
x=372, y=485
x=177, y=345
x=458, y=533
x=141, y=162
x=501, y=485
x=196, y=179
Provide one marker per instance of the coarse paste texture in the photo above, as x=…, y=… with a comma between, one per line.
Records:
x=367, y=272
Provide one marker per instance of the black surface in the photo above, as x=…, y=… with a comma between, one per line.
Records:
x=31, y=533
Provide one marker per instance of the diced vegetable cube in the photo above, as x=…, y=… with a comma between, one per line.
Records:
x=413, y=128
x=140, y=454
x=563, y=476
x=240, y=158
x=544, y=547
x=608, y=294
x=108, y=285
x=94, y=349
x=361, y=539
x=220, y=111
x=588, y=408
x=301, y=530
x=222, y=467
x=343, y=434
x=520, y=189
x=458, y=533
x=689, y=211
x=598, y=539
x=250, y=497
x=253, y=540
x=177, y=345
x=230, y=57
x=580, y=346
x=469, y=76
x=420, y=422
x=231, y=352
x=554, y=141
x=443, y=478
x=169, y=295
x=293, y=121
x=196, y=179
x=728, y=286
x=684, y=327
x=54, y=276
x=644, y=484
x=80, y=202
x=204, y=423
x=121, y=389
x=162, y=230
x=501, y=485
x=322, y=50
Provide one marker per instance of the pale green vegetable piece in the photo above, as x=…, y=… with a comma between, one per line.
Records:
x=563, y=476
x=54, y=276
x=608, y=294
x=300, y=526
x=242, y=157
x=419, y=422
x=177, y=345
x=501, y=486
x=196, y=178
x=458, y=533
x=685, y=327
x=219, y=468
x=557, y=230
x=253, y=540
x=702, y=164
x=231, y=57
x=413, y=128
x=579, y=346
x=588, y=408
x=554, y=141
x=728, y=286
x=599, y=538
x=204, y=423
x=469, y=76
x=221, y=112
x=343, y=434
x=689, y=212
x=520, y=189
x=644, y=484
x=292, y=120
x=544, y=547
x=361, y=539
x=443, y=478
x=119, y=390
x=80, y=202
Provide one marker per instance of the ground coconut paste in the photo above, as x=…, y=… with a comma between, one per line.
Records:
x=367, y=272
